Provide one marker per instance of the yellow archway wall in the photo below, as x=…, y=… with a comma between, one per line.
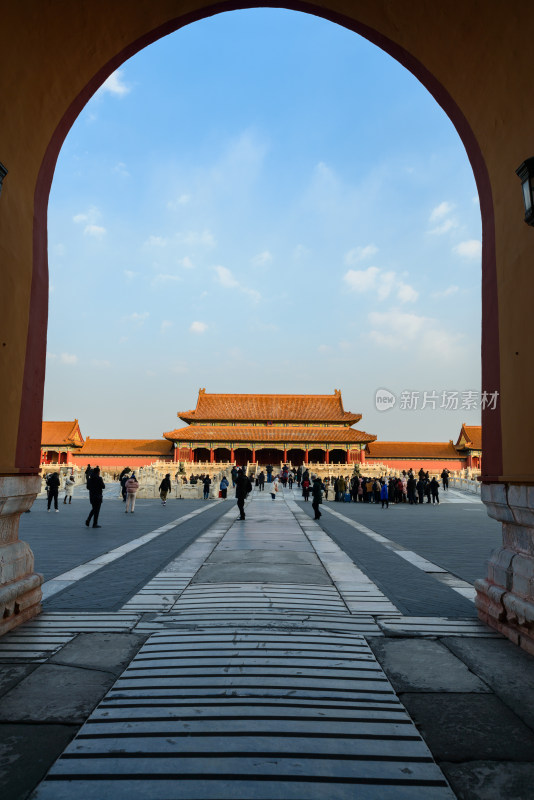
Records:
x=472, y=55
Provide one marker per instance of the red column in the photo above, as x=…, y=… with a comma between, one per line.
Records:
x=327, y=456
x=469, y=460
x=285, y=454
x=175, y=455
x=191, y=454
x=253, y=455
x=306, y=456
x=212, y=455
x=69, y=457
x=362, y=456
x=232, y=457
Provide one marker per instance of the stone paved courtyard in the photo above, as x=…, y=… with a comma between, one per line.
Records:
x=272, y=658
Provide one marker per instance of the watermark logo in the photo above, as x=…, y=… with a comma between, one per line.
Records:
x=445, y=400
x=384, y=400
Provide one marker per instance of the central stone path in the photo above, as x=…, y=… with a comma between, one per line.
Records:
x=257, y=682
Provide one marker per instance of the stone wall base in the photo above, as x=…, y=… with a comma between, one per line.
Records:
x=20, y=586
x=505, y=599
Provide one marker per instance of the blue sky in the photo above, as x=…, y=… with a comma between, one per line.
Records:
x=262, y=202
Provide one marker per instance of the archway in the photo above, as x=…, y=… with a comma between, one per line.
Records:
x=222, y=455
x=201, y=455
x=316, y=456
x=338, y=456
x=296, y=456
x=423, y=39
x=269, y=455
x=242, y=456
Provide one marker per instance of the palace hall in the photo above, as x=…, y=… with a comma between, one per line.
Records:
x=268, y=429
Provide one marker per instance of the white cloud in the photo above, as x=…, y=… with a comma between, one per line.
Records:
x=300, y=252
x=137, y=318
x=423, y=336
x=442, y=216
x=406, y=293
x=68, y=358
x=165, y=277
x=198, y=327
x=471, y=249
x=324, y=348
x=361, y=280
x=383, y=283
x=90, y=217
x=115, y=84
x=59, y=249
x=196, y=238
x=446, y=226
x=450, y=290
x=156, y=241
x=261, y=259
x=120, y=169
x=441, y=211
x=96, y=362
x=129, y=274
x=358, y=254
x=165, y=325
x=226, y=278
x=186, y=263
x=51, y=356
x=96, y=231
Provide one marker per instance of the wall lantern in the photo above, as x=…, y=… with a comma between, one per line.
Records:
x=3, y=173
x=526, y=176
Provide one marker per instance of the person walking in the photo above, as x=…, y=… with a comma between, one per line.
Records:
x=233, y=473
x=207, y=484
x=317, y=497
x=384, y=494
x=274, y=488
x=434, y=490
x=261, y=481
x=223, y=487
x=306, y=489
x=445, y=479
x=96, y=486
x=427, y=490
x=53, y=490
x=164, y=488
x=243, y=487
x=69, y=489
x=132, y=485
x=88, y=473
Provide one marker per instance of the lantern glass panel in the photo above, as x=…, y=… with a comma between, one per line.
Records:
x=527, y=196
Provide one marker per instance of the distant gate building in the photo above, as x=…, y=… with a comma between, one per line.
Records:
x=269, y=429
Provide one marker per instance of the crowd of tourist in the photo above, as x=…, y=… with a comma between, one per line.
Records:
x=406, y=487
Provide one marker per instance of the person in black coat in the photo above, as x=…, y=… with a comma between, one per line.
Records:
x=53, y=489
x=317, y=496
x=96, y=486
x=434, y=490
x=243, y=487
x=420, y=486
x=410, y=486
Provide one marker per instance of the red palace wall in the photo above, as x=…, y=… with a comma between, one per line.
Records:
x=428, y=464
x=119, y=461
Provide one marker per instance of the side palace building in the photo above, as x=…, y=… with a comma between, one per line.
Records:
x=261, y=429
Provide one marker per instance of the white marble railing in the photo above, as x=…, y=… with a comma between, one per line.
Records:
x=465, y=484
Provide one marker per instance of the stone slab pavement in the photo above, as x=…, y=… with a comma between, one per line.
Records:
x=470, y=696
